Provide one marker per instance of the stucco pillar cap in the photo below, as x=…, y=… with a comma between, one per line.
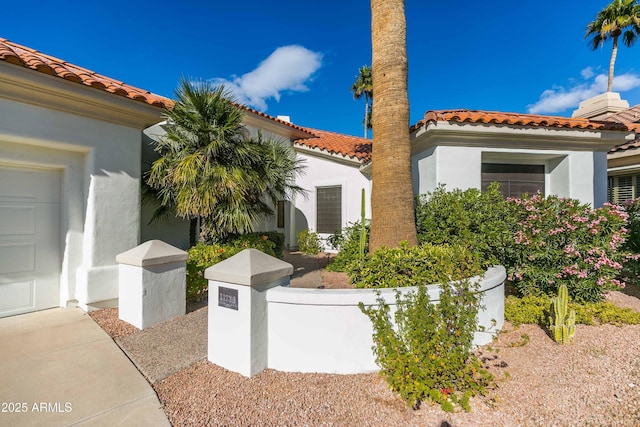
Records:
x=152, y=252
x=250, y=267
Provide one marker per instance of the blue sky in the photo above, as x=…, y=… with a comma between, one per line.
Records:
x=300, y=58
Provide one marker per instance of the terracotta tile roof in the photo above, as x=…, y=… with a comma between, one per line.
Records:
x=514, y=119
x=23, y=56
x=631, y=144
x=627, y=145
x=275, y=119
x=29, y=58
x=335, y=143
x=628, y=117
x=631, y=115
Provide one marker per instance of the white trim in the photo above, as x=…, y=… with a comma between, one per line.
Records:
x=28, y=86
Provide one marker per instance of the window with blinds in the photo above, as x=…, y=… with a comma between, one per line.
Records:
x=624, y=187
x=515, y=180
x=329, y=209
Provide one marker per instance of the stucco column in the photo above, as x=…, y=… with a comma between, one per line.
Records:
x=152, y=283
x=238, y=334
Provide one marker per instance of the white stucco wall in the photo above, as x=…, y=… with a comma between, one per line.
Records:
x=322, y=170
x=93, y=138
x=579, y=174
x=330, y=334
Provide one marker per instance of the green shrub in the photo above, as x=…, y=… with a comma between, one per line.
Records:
x=427, y=355
x=203, y=256
x=561, y=241
x=413, y=266
x=481, y=221
x=347, y=242
x=528, y=309
x=309, y=242
x=263, y=241
x=535, y=310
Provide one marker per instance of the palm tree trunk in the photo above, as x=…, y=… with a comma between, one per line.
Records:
x=392, y=210
x=614, y=53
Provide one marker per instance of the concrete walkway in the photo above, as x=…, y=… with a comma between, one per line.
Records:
x=59, y=368
x=306, y=269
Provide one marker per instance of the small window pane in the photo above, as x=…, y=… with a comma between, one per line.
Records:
x=624, y=188
x=515, y=180
x=328, y=209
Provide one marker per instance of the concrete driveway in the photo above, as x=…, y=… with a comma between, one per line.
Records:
x=59, y=368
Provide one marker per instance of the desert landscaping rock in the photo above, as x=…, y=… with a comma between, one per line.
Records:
x=593, y=381
x=168, y=347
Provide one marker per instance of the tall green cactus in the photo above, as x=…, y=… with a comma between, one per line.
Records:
x=363, y=228
x=562, y=322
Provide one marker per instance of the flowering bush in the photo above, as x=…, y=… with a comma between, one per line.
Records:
x=560, y=241
x=631, y=266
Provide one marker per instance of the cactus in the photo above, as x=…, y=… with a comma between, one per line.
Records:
x=363, y=228
x=562, y=322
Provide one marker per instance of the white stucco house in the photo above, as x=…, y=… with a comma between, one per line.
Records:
x=69, y=179
x=523, y=152
x=74, y=146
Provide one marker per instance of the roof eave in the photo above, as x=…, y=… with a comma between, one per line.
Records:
x=23, y=85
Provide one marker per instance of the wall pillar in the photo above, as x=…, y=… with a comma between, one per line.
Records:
x=238, y=334
x=152, y=284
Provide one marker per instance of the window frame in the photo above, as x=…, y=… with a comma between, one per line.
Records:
x=331, y=226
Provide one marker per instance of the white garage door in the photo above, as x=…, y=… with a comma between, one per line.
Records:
x=30, y=259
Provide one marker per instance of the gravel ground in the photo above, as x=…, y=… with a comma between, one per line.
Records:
x=593, y=382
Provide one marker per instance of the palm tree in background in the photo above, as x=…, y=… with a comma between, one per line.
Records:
x=213, y=169
x=620, y=18
x=392, y=209
x=363, y=86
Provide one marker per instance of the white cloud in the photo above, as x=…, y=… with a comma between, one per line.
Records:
x=288, y=68
x=587, y=73
x=559, y=99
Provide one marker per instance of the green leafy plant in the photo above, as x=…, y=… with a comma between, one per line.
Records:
x=530, y=309
x=480, y=221
x=269, y=242
x=349, y=242
x=203, y=256
x=534, y=309
x=562, y=322
x=413, y=266
x=309, y=242
x=425, y=351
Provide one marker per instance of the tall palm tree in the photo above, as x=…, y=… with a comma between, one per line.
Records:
x=211, y=168
x=364, y=86
x=392, y=209
x=620, y=18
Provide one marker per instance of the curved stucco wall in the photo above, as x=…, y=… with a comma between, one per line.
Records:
x=322, y=330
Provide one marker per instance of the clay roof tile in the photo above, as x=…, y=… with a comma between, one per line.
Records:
x=16, y=54
x=336, y=143
x=515, y=119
